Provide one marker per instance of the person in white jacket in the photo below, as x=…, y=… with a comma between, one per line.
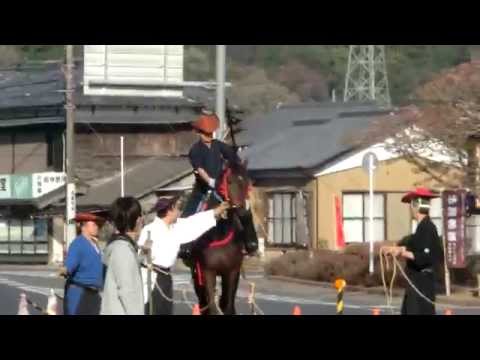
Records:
x=163, y=237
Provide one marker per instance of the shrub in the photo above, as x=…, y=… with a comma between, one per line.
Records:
x=327, y=266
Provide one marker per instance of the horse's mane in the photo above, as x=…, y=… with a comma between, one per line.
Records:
x=233, y=169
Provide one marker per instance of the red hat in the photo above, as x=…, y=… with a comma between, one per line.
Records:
x=86, y=217
x=419, y=193
x=207, y=123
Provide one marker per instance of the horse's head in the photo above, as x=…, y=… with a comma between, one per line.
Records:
x=234, y=185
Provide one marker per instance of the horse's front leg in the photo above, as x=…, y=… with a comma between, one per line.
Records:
x=210, y=284
x=229, y=292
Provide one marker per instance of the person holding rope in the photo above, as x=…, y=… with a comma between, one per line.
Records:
x=207, y=157
x=84, y=269
x=163, y=237
x=423, y=253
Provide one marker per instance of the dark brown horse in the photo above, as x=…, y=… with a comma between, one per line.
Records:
x=220, y=251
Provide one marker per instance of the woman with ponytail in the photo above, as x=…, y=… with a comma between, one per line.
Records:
x=123, y=289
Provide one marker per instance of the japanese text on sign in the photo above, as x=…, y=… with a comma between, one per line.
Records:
x=454, y=225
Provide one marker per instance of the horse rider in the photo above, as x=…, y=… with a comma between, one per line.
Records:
x=423, y=253
x=207, y=157
x=163, y=237
x=84, y=268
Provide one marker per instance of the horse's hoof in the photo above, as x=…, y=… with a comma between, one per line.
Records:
x=251, y=248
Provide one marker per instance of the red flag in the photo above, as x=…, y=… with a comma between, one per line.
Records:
x=339, y=224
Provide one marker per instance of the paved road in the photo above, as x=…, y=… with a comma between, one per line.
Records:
x=273, y=297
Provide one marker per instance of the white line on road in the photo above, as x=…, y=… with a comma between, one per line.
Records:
x=28, y=288
x=42, y=274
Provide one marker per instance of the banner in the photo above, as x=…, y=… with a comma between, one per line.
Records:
x=339, y=223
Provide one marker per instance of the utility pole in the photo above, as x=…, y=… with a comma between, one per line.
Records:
x=221, y=102
x=70, y=145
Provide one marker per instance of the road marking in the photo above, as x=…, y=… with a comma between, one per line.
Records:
x=42, y=274
x=28, y=288
x=184, y=282
x=296, y=300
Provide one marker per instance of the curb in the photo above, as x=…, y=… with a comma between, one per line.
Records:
x=441, y=299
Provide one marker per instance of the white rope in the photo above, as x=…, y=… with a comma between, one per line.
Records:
x=251, y=300
x=189, y=303
x=257, y=308
x=388, y=292
x=163, y=294
x=409, y=281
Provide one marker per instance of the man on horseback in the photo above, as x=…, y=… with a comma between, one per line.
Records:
x=208, y=157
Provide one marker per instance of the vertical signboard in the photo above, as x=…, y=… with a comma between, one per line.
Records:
x=71, y=202
x=454, y=214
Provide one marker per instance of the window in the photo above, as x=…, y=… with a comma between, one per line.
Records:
x=4, y=237
x=282, y=219
x=356, y=209
x=24, y=237
x=55, y=151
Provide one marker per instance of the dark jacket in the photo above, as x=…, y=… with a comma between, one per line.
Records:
x=426, y=246
x=211, y=159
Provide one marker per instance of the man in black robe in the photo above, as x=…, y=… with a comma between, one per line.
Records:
x=423, y=253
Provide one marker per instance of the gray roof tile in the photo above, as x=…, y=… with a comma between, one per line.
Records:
x=303, y=137
x=140, y=179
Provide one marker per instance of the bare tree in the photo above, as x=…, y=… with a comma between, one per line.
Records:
x=307, y=83
x=444, y=124
x=255, y=92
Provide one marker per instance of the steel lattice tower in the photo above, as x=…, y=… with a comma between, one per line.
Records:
x=367, y=78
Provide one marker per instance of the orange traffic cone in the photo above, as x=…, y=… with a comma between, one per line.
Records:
x=448, y=312
x=52, y=303
x=196, y=310
x=297, y=311
x=376, y=311
x=23, y=305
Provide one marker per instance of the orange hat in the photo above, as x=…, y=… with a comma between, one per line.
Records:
x=86, y=217
x=419, y=193
x=207, y=123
